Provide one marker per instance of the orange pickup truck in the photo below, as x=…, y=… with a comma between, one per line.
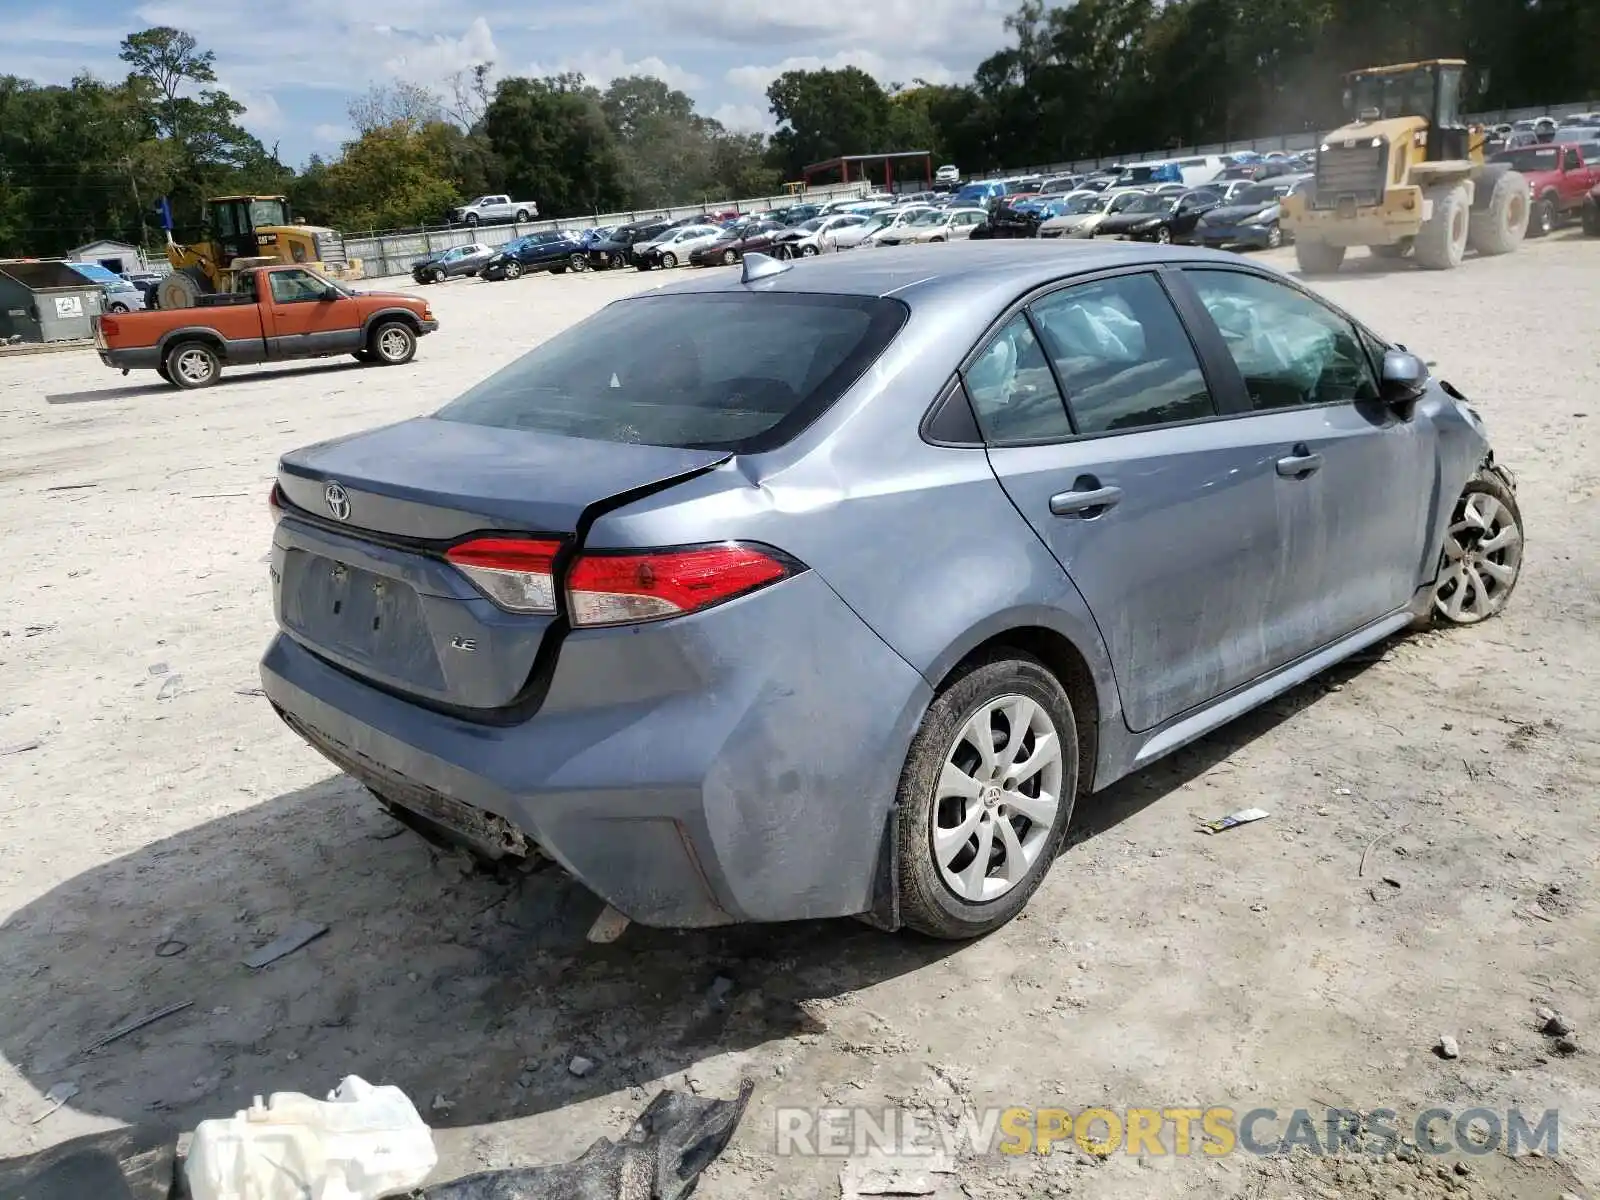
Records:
x=276, y=313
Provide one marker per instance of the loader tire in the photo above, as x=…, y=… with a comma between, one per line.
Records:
x=1317, y=258
x=1442, y=241
x=1500, y=227
x=183, y=288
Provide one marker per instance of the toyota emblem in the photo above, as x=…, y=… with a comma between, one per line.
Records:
x=338, y=501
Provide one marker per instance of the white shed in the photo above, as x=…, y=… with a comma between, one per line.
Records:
x=116, y=257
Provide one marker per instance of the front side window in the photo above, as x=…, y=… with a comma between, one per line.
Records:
x=721, y=371
x=1122, y=355
x=1013, y=394
x=1290, y=348
x=295, y=287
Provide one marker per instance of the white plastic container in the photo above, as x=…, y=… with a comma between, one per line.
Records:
x=361, y=1143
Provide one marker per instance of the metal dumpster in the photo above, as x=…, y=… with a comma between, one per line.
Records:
x=46, y=301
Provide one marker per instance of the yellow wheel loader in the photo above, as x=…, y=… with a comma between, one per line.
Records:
x=244, y=232
x=1406, y=177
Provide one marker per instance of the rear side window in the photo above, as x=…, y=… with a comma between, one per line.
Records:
x=1123, y=355
x=719, y=371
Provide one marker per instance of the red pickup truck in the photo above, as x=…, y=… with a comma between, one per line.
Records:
x=1559, y=176
x=275, y=313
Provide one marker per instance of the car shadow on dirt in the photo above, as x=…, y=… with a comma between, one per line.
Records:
x=455, y=984
x=229, y=378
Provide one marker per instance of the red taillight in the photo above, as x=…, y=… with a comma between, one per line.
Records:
x=275, y=504
x=518, y=574
x=109, y=326
x=613, y=589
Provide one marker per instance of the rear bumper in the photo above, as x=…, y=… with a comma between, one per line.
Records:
x=693, y=772
x=136, y=358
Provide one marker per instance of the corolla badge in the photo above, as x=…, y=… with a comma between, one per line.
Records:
x=338, y=501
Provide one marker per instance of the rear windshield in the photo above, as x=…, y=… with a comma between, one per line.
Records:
x=717, y=371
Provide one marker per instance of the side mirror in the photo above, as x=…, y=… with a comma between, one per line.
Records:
x=1405, y=377
x=330, y=294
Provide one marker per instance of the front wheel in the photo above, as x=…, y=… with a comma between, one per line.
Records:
x=669, y=260
x=729, y=258
x=1164, y=236
x=1318, y=258
x=513, y=269
x=985, y=797
x=393, y=343
x=1274, y=237
x=438, y=275
x=808, y=251
x=1482, y=552
x=472, y=220
x=118, y=307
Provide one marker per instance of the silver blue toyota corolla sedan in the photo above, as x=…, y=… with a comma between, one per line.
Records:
x=826, y=589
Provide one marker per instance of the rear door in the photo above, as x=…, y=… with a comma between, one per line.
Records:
x=1159, y=508
x=304, y=321
x=1353, y=477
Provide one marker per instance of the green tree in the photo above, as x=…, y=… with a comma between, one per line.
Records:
x=554, y=145
x=826, y=114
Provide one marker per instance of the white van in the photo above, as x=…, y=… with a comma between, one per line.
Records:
x=1206, y=168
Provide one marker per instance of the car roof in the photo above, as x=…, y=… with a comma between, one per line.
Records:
x=982, y=273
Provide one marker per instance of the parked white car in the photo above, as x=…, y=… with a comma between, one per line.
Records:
x=948, y=175
x=815, y=236
x=1085, y=211
x=673, y=247
x=937, y=225
x=867, y=233
x=493, y=209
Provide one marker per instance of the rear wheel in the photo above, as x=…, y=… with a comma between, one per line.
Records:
x=182, y=288
x=117, y=306
x=193, y=365
x=161, y=370
x=1543, y=220
x=1500, y=227
x=985, y=797
x=1317, y=258
x=522, y=214
x=1442, y=240
x=1482, y=552
x=393, y=344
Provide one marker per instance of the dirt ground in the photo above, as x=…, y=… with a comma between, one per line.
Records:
x=1428, y=868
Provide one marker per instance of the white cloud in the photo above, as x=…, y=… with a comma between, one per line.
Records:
x=744, y=118
x=442, y=56
x=262, y=116
x=968, y=27
x=755, y=79
x=601, y=69
x=328, y=134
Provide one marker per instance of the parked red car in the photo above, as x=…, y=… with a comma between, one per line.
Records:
x=1559, y=177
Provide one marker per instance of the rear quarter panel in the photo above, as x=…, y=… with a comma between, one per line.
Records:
x=142, y=329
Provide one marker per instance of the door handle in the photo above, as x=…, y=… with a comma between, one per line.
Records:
x=1299, y=463
x=1089, y=503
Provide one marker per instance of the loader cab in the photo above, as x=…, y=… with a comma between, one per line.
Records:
x=1431, y=91
x=235, y=223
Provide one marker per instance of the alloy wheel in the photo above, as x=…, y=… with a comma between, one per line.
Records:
x=1483, y=555
x=513, y=269
x=393, y=344
x=193, y=366
x=996, y=799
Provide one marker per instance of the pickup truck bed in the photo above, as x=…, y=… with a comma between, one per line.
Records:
x=278, y=313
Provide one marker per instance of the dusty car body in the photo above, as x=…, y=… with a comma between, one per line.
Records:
x=807, y=592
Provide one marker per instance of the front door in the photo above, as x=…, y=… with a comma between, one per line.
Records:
x=1354, y=476
x=1161, y=513
x=305, y=322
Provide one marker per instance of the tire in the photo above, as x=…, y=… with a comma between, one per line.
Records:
x=1442, y=240
x=438, y=275
x=1164, y=236
x=1274, y=237
x=1318, y=258
x=363, y=356
x=988, y=688
x=118, y=307
x=513, y=269
x=729, y=257
x=161, y=370
x=182, y=289
x=1591, y=219
x=1500, y=227
x=472, y=220
x=577, y=262
x=669, y=260
x=192, y=365
x=809, y=251
x=392, y=343
x=1475, y=584
x=1393, y=251
x=522, y=215
x=1542, y=220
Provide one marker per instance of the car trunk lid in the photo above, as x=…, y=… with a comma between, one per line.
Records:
x=359, y=560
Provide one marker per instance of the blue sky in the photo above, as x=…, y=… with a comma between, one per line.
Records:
x=295, y=64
